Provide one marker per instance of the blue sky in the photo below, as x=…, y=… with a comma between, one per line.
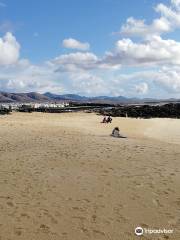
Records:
x=97, y=47
x=93, y=21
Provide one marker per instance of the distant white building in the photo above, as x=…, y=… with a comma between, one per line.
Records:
x=15, y=106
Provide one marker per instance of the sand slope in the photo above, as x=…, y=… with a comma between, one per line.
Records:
x=63, y=177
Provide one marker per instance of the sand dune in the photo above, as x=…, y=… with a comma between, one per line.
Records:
x=63, y=177
x=166, y=130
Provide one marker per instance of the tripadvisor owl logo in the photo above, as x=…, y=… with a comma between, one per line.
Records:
x=139, y=231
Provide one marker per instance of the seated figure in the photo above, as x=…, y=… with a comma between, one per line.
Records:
x=116, y=133
x=104, y=120
x=109, y=119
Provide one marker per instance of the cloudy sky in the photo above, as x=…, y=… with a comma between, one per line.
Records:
x=97, y=47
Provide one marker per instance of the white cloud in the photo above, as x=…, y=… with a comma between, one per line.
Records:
x=25, y=77
x=172, y=15
x=75, y=44
x=75, y=61
x=176, y=3
x=88, y=83
x=82, y=61
x=167, y=22
x=136, y=27
x=77, y=58
x=150, y=49
x=155, y=51
x=9, y=49
x=142, y=88
x=168, y=79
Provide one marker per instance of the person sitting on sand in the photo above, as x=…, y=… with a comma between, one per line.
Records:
x=109, y=119
x=116, y=133
x=104, y=120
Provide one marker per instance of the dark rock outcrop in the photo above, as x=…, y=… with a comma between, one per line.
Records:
x=171, y=110
x=4, y=111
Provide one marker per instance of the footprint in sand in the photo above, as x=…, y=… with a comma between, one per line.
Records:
x=97, y=232
x=157, y=203
x=18, y=232
x=53, y=220
x=25, y=215
x=44, y=228
x=144, y=225
x=94, y=217
x=86, y=200
x=173, y=220
x=177, y=202
x=10, y=204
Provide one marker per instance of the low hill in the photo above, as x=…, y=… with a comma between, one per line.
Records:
x=98, y=99
x=50, y=97
x=22, y=97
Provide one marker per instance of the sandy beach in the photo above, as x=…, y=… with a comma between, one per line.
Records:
x=62, y=177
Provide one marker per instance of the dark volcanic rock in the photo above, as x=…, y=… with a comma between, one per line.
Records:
x=4, y=111
x=171, y=110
